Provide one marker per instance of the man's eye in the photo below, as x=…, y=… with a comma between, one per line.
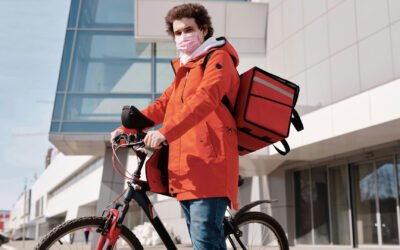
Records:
x=178, y=33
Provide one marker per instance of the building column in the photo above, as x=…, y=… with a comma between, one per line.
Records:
x=280, y=188
x=112, y=184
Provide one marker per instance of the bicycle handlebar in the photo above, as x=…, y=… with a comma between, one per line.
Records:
x=130, y=141
x=136, y=143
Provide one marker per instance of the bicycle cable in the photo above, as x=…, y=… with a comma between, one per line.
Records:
x=117, y=168
x=119, y=197
x=117, y=165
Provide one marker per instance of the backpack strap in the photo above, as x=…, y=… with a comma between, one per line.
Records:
x=286, y=147
x=296, y=121
x=225, y=99
x=206, y=59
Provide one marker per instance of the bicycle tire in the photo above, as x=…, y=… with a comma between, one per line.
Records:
x=63, y=229
x=266, y=220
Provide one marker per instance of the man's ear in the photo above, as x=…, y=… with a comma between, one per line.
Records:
x=205, y=30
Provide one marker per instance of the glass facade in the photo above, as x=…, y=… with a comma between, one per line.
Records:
x=103, y=68
x=365, y=203
x=339, y=205
x=356, y=203
x=320, y=205
x=303, y=207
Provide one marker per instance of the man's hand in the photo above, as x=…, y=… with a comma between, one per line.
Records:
x=153, y=139
x=114, y=134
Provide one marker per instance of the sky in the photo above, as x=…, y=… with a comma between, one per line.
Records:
x=31, y=42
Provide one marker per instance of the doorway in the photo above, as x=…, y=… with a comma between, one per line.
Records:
x=375, y=202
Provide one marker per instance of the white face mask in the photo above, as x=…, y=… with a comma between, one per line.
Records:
x=187, y=43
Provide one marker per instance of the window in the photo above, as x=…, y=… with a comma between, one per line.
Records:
x=107, y=14
x=303, y=207
x=110, y=62
x=339, y=203
x=321, y=206
x=100, y=107
x=39, y=207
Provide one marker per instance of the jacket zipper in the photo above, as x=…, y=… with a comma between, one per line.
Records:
x=184, y=85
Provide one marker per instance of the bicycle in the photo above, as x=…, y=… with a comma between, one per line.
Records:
x=244, y=230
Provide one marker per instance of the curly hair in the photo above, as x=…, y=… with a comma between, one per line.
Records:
x=189, y=10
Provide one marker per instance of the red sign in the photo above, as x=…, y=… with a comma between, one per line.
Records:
x=1, y=226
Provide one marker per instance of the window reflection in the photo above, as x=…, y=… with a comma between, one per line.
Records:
x=58, y=104
x=165, y=52
x=320, y=205
x=165, y=75
x=107, y=62
x=54, y=127
x=339, y=189
x=63, y=75
x=107, y=14
x=89, y=126
x=73, y=13
x=387, y=201
x=303, y=207
x=100, y=107
x=365, y=203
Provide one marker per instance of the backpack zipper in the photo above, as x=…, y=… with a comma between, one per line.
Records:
x=184, y=85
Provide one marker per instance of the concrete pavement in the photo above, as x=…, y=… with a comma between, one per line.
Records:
x=29, y=245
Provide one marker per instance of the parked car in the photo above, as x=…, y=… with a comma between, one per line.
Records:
x=4, y=238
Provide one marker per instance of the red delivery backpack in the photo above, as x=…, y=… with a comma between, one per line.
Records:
x=264, y=110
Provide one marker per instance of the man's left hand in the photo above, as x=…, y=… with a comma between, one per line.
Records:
x=153, y=139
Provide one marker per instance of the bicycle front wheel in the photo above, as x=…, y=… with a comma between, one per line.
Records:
x=258, y=231
x=81, y=234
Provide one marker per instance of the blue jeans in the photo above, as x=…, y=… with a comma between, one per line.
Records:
x=204, y=219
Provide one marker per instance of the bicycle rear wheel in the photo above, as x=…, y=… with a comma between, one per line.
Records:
x=259, y=231
x=71, y=235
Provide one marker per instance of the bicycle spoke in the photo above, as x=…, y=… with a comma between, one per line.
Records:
x=75, y=239
x=256, y=235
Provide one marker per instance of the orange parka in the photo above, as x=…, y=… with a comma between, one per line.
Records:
x=200, y=130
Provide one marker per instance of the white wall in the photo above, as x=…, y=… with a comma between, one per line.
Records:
x=333, y=49
x=85, y=190
x=82, y=177
x=58, y=171
x=17, y=212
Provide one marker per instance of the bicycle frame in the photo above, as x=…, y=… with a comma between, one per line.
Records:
x=137, y=191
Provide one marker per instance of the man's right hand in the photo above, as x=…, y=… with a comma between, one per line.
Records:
x=115, y=133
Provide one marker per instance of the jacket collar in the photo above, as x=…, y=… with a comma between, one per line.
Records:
x=203, y=49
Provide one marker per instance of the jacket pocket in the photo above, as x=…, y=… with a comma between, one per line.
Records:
x=213, y=140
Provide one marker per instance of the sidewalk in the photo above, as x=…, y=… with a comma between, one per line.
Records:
x=29, y=245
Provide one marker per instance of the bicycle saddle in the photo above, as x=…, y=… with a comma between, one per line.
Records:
x=132, y=118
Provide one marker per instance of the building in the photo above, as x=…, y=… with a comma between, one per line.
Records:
x=20, y=215
x=340, y=184
x=4, y=220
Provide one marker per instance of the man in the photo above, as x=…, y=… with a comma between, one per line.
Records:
x=198, y=126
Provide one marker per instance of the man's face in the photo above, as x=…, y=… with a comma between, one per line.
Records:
x=188, y=25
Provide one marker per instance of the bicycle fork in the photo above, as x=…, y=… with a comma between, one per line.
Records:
x=115, y=218
x=111, y=230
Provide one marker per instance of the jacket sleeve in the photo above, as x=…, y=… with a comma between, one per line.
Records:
x=217, y=79
x=156, y=110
